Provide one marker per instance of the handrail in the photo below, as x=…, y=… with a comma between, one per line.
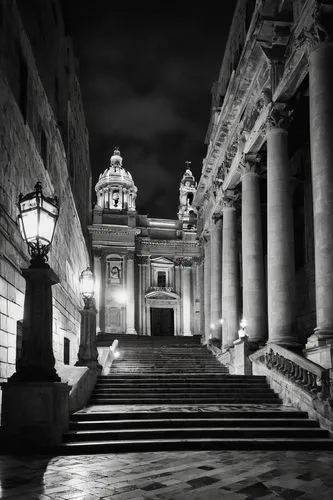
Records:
x=311, y=377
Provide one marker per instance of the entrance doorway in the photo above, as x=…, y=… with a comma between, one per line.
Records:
x=162, y=321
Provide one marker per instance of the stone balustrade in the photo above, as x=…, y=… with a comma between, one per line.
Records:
x=308, y=375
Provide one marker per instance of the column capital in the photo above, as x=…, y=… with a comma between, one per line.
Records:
x=130, y=254
x=321, y=29
x=185, y=261
x=279, y=117
x=142, y=259
x=229, y=199
x=249, y=164
x=217, y=218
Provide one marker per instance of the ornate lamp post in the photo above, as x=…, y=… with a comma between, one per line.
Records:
x=35, y=401
x=37, y=219
x=88, y=354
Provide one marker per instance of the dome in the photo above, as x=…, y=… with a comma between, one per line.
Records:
x=115, y=188
x=115, y=174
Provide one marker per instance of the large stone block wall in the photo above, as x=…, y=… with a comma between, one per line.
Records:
x=21, y=165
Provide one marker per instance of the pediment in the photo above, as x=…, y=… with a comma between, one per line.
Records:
x=162, y=261
x=159, y=295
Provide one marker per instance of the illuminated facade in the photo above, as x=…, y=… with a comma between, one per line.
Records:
x=147, y=269
x=264, y=198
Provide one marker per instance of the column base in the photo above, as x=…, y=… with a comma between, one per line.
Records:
x=287, y=343
x=34, y=414
x=131, y=331
x=320, y=336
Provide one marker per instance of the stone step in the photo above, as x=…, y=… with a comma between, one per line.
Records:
x=195, y=432
x=186, y=385
x=167, y=414
x=189, y=376
x=174, y=423
x=182, y=400
x=180, y=390
x=146, y=445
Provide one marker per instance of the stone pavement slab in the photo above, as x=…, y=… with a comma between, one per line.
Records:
x=211, y=475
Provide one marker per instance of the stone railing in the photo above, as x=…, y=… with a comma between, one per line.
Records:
x=106, y=355
x=307, y=375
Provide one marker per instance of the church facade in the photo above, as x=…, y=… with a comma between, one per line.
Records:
x=147, y=269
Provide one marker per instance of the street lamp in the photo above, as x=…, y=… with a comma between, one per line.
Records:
x=87, y=287
x=37, y=219
x=88, y=354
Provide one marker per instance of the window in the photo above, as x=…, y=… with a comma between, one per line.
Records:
x=66, y=351
x=161, y=278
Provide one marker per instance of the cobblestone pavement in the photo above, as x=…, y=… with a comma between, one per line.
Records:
x=199, y=475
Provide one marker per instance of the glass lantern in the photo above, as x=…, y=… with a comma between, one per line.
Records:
x=37, y=219
x=87, y=286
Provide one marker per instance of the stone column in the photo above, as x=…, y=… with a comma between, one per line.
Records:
x=186, y=295
x=216, y=279
x=280, y=240
x=98, y=285
x=207, y=276
x=145, y=285
x=254, y=286
x=230, y=273
x=321, y=126
x=130, y=288
x=199, y=296
x=102, y=301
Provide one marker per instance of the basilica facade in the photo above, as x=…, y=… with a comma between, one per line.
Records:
x=147, y=269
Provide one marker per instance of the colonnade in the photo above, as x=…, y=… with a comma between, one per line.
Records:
x=271, y=318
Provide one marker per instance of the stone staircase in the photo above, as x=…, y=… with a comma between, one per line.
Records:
x=171, y=393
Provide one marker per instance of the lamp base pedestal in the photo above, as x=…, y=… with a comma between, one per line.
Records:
x=34, y=414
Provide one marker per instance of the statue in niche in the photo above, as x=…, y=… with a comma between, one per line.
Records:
x=115, y=274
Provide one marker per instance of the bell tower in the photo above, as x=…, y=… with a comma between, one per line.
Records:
x=187, y=213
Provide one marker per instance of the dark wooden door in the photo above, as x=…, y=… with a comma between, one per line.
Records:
x=162, y=321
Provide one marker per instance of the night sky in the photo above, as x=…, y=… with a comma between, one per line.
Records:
x=146, y=78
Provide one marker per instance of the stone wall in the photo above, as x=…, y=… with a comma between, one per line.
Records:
x=32, y=149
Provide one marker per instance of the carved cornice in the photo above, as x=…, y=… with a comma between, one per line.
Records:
x=169, y=243
x=114, y=230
